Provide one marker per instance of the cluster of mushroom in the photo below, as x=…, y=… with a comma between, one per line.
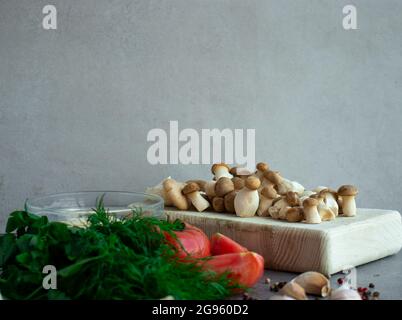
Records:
x=263, y=192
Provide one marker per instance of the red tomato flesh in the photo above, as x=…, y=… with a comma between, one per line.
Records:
x=221, y=244
x=194, y=242
x=245, y=268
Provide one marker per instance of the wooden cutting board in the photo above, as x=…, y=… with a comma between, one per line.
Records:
x=328, y=247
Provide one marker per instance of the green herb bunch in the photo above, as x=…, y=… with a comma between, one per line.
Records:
x=109, y=258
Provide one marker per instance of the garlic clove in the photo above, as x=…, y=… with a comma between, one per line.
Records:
x=314, y=283
x=293, y=290
x=281, y=297
x=344, y=294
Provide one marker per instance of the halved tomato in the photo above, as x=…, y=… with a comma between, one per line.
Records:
x=221, y=244
x=245, y=268
x=194, y=242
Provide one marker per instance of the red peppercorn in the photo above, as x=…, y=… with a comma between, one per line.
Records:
x=340, y=281
x=359, y=289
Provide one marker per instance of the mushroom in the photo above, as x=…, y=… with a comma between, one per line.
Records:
x=239, y=172
x=310, y=210
x=223, y=186
x=279, y=208
x=209, y=189
x=218, y=204
x=201, y=183
x=294, y=214
x=292, y=199
x=261, y=168
x=247, y=199
x=277, y=205
x=284, y=185
x=294, y=186
x=173, y=191
x=330, y=197
x=159, y=190
x=271, y=178
x=220, y=170
x=229, y=201
x=267, y=196
x=325, y=212
x=191, y=191
x=238, y=183
x=348, y=194
x=233, y=171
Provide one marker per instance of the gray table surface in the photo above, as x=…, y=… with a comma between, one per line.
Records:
x=385, y=274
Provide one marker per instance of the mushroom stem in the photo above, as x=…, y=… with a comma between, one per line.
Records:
x=229, y=201
x=311, y=214
x=247, y=199
x=294, y=214
x=265, y=204
x=325, y=212
x=267, y=197
x=331, y=203
x=278, y=208
x=198, y=201
x=265, y=180
x=349, y=206
x=348, y=203
x=209, y=189
x=221, y=170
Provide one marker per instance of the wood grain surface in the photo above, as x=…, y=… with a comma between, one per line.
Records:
x=328, y=247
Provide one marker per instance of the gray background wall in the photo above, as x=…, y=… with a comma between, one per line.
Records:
x=77, y=103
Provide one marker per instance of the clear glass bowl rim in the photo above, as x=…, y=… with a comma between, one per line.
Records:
x=29, y=202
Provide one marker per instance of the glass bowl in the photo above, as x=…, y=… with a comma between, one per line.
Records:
x=73, y=208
